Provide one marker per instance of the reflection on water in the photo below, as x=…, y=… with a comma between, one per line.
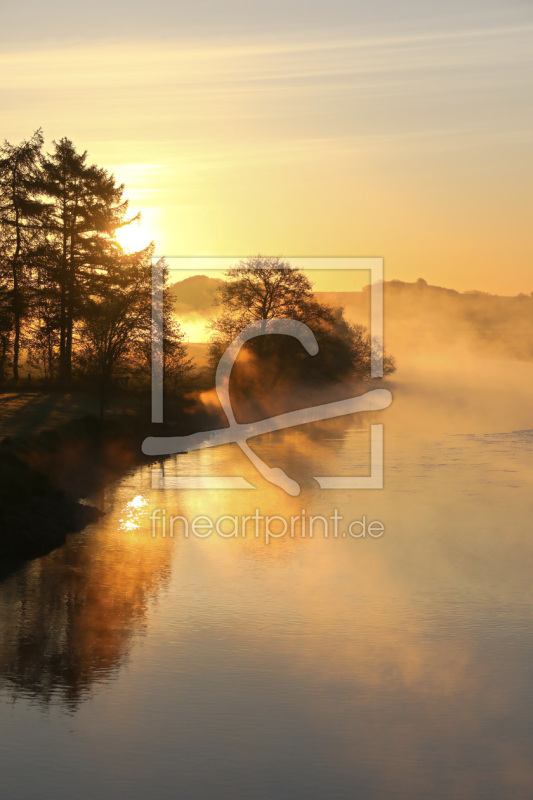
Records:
x=68, y=618
x=398, y=667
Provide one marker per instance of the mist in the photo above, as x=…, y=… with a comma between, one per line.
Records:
x=464, y=360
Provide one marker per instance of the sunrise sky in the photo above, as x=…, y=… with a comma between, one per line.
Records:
x=401, y=130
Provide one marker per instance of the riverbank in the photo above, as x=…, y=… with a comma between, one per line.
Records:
x=45, y=475
x=56, y=457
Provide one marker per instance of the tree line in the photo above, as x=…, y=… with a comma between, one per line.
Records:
x=71, y=299
x=76, y=306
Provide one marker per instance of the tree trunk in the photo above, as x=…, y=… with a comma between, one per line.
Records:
x=16, y=310
x=104, y=382
x=63, y=302
x=16, y=287
x=16, y=350
x=3, y=358
x=69, y=325
x=71, y=290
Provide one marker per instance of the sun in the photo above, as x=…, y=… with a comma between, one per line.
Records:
x=133, y=237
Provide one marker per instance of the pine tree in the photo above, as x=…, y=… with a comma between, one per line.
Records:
x=22, y=214
x=87, y=210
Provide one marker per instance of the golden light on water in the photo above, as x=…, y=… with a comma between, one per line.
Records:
x=133, y=513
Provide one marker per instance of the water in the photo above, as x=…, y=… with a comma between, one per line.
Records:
x=134, y=666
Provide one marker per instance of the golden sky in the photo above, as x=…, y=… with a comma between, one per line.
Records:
x=403, y=135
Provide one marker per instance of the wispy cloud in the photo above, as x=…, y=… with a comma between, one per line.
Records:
x=294, y=138
x=140, y=64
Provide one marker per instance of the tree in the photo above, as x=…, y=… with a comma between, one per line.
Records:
x=86, y=211
x=115, y=319
x=264, y=288
x=22, y=214
x=44, y=323
x=115, y=336
x=6, y=330
x=68, y=292
x=178, y=367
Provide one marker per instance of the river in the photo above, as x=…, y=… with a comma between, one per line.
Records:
x=208, y=666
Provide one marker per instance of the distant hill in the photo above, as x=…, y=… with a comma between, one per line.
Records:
x=195, y=295
x=418, y=317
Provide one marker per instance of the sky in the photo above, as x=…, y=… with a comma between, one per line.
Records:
x=343, y=128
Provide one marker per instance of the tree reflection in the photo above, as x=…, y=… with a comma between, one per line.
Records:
x=69, y=619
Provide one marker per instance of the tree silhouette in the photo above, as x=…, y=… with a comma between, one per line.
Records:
x=86, y=210
x=22, y=214
x=115, y=328
x=264, y=288
x=69, y=294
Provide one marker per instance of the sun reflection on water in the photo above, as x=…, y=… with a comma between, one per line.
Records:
x=132, y=513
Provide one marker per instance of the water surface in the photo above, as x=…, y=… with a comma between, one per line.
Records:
x=134, y=666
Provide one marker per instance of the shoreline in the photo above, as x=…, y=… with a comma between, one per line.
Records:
x=43, y=477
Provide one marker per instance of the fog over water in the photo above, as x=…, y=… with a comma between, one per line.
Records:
x=339, y=667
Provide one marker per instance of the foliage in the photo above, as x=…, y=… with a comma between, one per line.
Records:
x=264, y=288
x=71, y=299
x=22, y=212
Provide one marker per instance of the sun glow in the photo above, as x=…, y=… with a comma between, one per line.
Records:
x=134, y=237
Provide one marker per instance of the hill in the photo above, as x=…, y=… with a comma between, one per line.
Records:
x=418, y=317
x=195, y=295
